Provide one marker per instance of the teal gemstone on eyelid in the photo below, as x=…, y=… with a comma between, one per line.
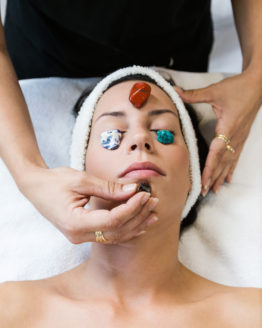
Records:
x=165, y=136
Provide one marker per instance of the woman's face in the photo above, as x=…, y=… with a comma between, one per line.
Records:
x=139, y=144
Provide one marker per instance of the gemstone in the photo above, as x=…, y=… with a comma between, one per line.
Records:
x=165, y=136
x=139, y=94
x=144, y=186
x=111, y=139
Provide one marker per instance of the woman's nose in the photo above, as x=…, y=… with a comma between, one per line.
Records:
x=140, y=141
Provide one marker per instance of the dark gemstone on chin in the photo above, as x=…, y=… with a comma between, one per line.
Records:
x=144, y=186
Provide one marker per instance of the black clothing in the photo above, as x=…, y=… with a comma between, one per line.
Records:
x=81, y=38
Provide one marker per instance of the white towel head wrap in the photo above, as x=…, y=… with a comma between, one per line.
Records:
x=84, y=119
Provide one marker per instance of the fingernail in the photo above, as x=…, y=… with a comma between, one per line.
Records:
x=152, y=220
x=207, y=185
x=129, y=187
x=204, y=193
x=178, y=89
x=206, y=188
x=140, y=233
x=145, y=198
x=153, y=203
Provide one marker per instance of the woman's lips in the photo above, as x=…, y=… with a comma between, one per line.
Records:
x=141, y=174
x=141, y=170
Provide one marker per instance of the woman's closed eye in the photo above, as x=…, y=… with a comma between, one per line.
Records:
x=111, y=139
x=164, y=136
x=156, y=130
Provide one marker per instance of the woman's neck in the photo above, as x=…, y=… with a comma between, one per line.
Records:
x=144, y=267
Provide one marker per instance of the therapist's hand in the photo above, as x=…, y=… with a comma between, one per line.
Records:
x=235, y=101
x=60, y=195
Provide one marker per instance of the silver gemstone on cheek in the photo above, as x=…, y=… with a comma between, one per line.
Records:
x=111, y=139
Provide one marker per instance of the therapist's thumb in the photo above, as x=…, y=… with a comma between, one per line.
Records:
x=202, y=95
x=93, y=186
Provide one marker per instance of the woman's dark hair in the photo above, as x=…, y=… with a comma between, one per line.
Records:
x=202, y=145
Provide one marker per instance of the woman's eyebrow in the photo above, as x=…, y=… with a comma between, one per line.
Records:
x=151, y=113
x=115, y=114
x=161, y=111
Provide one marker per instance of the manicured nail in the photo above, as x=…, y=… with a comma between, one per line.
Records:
x=207, y=185
x=204, y=193
x=140, y=233
x=206, y=188
x=153, y=203
x=129, y=187
x=152, y=220
x=178, y=89
x=145, y=198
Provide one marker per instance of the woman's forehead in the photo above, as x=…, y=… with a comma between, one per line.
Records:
x=117, y=98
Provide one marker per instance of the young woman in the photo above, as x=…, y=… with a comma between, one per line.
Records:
x=134, y=128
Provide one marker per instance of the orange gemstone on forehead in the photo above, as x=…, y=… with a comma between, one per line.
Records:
x=139, y=94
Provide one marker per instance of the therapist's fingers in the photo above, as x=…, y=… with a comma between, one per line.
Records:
x=216, y=152
x=224, y=161
x=193, y=96
x=235, y=111
x=136, y=225
x=220, y=179
x=93, y=186
x=233, y=166
x=220, y=167
x=218, y=162
x=230, y=173
x=84, y=222
x=59, y=194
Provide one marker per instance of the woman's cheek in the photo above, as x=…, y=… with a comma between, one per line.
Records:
x=180, y=164
x=95, y=162
x=180, y=186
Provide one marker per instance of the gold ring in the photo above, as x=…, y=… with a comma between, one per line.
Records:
x=100, y=237
x=224, y=138
x=227, y=141
x=230, y=148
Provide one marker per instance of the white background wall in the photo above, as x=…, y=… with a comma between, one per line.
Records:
x=2, y=7
x=225, y=56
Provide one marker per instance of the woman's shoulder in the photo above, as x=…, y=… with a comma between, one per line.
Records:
x=228, y=306
x=20, y=303
x=240, y=306
x=13, y=302
x=250, y=300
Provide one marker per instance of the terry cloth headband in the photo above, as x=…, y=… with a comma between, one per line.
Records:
x=83, y=122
